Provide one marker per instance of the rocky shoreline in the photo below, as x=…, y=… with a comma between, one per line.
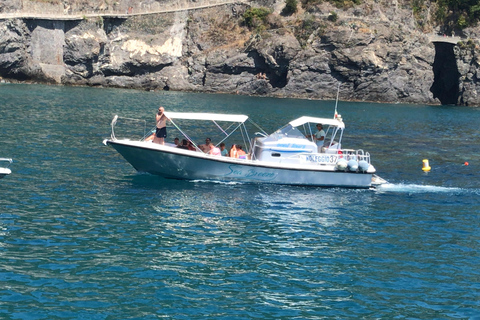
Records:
x=375, y=53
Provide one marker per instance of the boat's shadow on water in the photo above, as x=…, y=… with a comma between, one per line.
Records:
x=242, y=198
x=145, y=181
x=152, y=182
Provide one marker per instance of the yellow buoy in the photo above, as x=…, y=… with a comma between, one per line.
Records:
x=426, y=166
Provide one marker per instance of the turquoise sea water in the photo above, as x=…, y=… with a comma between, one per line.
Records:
x=83, y=236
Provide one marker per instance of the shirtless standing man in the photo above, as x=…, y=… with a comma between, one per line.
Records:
x=161, y=121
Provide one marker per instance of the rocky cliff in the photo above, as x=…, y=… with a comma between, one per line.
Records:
x=375, y=52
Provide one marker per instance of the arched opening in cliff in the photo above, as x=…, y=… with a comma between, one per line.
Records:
x=445, y=85
x=277, y=76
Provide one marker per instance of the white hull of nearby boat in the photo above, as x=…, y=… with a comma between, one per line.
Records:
x=176, y=163
x=5, y=171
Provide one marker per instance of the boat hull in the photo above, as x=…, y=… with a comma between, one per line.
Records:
x=182, y=164
x=4, y=172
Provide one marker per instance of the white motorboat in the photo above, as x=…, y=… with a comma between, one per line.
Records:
x=284, y=157
x=5, y=171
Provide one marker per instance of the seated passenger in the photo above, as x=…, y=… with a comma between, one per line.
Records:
x=233, y=151
x=150, y=137
x=206, y=147
x=190, y=146
x=240, y=152
x=184, y=145
x=214, y=151
x=223, y=151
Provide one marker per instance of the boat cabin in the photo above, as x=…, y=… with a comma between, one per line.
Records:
x=289, y=143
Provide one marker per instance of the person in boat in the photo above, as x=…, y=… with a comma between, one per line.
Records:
x=319, y=136
x=233, y=151
x=214, y=151
x=190, y=146
x=206, y=147
x=184, y=145
x=223, y=150
x=161, y=125
x=176, y=141
x=150, y=137
x=241, y=154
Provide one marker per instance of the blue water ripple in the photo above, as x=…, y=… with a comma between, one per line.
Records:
x=82, y=236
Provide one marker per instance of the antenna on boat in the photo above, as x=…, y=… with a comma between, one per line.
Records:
x=336, y=115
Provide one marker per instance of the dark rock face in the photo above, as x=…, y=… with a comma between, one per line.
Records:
x=14, y=50
x=208, y=50
x=446, y=76
x=468, y=63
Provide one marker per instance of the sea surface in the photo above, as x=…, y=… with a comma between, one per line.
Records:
x=84, y=236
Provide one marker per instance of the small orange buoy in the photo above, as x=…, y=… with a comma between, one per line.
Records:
x=426, y=166
x=466, y=163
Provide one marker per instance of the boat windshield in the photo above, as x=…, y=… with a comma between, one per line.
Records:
x=288, y=132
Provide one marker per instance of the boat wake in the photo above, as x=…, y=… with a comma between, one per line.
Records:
x=217, y=182
x=414, y=188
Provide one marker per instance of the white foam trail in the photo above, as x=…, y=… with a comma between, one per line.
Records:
x=414, y=188
x=217, y=182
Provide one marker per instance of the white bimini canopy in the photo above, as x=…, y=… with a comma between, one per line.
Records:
x=207, y=116
x=324, y=121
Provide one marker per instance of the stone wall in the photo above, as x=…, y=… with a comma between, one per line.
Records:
x=76, y=7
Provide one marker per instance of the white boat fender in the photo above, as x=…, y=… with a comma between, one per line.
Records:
x=352, y=165
x=363, y=166
x=341, y=165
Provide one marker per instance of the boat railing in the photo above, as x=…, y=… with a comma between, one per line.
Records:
x=9, y=160
x=352, y=154
x=134, y=129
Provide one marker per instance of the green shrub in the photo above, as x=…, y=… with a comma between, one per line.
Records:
x=333, y=16
x=345, y=3
x=462, y=22
x=290, y=7
x=255, y=17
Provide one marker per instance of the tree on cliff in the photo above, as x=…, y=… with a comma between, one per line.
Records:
x=458, y=13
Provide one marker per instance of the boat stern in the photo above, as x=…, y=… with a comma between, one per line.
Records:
x=5, y=171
